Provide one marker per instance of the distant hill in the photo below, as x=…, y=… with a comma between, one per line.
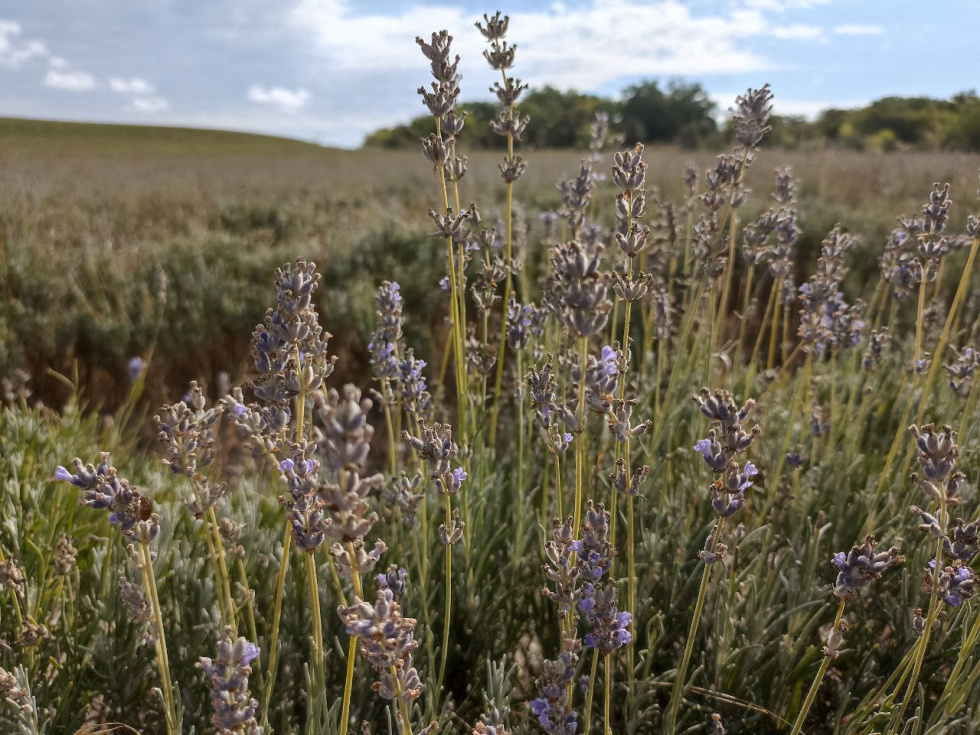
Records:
x=18, y=135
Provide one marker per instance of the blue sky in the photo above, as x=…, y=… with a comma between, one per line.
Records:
x=334, y=70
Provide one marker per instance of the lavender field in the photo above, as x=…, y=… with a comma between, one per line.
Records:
x=616, y=440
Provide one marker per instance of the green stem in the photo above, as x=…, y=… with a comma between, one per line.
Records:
x=588, y=699
x=815, y=686
x=163, y=661
x=449, y=597
x=272, y=670
x=677, y=692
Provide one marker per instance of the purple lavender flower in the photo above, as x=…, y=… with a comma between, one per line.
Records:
x=135, y=368
x=387, y=642
x=234, y=709
x=861, y=566
x=102, y=489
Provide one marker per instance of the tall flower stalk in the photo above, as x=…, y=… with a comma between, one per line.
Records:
x=719, y=451
x=509, y=125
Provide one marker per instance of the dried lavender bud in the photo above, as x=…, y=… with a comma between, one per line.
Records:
x=825, y=317
x=509, y=92
x=561, y=569
x=751, y=116
x=33, y=634
x=541, y=384
x=363, y=561
x=494, y=722
x=629, y=170
x=135, y=603
x=519, y=321
x=861, y=566
x=387, y=641
x=234, y=708
x=512, y=169
x=784, y=192
x=406, y=494
x=231, y=535
x=13, y=693
x=186, y=429
x=452, y=532
x=576, y=194
x=579, y=290
x=12, y=576
x=720, y=408
x=877, y=341
x=835, y=640
x=346, y=505
x=65, y=557
x=494, y=27
x=960, y=372
x=434, y=149
x=304, y=509
x=346, y=432
x=507, y=124
x=102, y=489
x=620, y=423
x=610, y=626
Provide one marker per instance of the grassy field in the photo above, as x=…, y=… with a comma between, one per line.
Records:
x=96, y=217
x=163, y=244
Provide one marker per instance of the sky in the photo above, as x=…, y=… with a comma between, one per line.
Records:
x=332, y=71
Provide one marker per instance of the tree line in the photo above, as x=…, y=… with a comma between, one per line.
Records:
x=683, y=114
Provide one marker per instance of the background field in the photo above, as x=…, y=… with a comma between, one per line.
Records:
x=96, y=218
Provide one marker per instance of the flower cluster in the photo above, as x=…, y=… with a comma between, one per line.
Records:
x=387, y=640
x=862, y=565
x=954, y=585
x=724, y=441
x=102, y=489
x=937, y=453
x=599, y=597
x=346, y=433
x=435, y=447
x=228, y=672
x=186, y=429
x=826, y=320
x=386, y=342
x=552, y=708
x=561, y=569
x=578, y=290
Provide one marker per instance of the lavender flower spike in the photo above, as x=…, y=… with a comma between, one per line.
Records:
x=234, y=708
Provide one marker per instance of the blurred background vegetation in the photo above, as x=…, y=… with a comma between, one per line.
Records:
x=684, y=114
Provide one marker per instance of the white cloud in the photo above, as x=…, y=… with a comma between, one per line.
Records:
x=858, y=30
x=798, y=32
x=585, y=49
x=13, y=51
x=72, y=81
x=149, y=105
x=135, y=85
x=287, y=100
x=781, y=5
x=57, y=62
